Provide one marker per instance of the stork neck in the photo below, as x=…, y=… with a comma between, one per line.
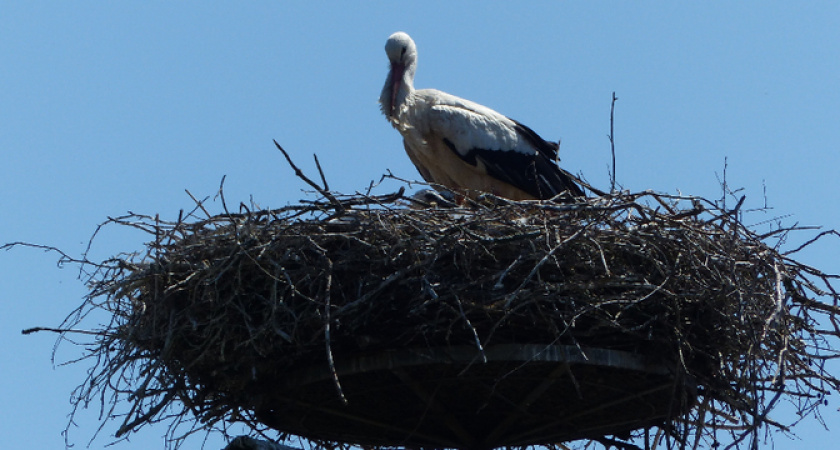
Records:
x=399, y=86
x=408, y=78
x=405, y=78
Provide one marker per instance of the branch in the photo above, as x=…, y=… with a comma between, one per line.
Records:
x=61, y=331
x=339, y=207
x=612, y=141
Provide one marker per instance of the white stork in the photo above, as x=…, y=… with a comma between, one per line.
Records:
x=464, y=146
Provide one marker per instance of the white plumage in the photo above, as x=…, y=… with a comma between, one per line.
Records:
x=465, y=146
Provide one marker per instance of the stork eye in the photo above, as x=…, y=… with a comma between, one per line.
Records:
x=402, y=53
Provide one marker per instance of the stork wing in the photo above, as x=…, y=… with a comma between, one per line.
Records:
x=507, y=150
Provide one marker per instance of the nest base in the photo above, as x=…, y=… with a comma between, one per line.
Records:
x=462, y=397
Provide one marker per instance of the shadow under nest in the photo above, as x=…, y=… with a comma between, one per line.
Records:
x=358, y=320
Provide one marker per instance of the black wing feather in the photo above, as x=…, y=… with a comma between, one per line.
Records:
x=536, y=174
x=543, y=146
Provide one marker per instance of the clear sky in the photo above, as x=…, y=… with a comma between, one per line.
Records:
x=111, y=107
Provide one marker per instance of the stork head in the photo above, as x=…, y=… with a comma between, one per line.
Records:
x=402, y=57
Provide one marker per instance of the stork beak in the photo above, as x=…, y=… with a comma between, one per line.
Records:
x=397, y=71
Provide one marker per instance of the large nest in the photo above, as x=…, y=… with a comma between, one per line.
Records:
x=354, y=319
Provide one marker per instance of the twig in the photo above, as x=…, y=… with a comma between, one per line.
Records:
x=339, y=207
x=812, y=240
x=327, y=327
x=221, y=195
x=199, y=204
x=129, y=425
x=539, y=264
x=612, y=141
x=64, y=257
x=320, y=171
x=62, y=331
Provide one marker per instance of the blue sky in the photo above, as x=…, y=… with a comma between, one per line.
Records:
x=113, y=107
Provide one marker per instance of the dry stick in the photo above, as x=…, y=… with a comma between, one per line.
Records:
x=539, y=264
x=731, y=212
x=500, y=283
x=145, y=418
x=221, y=195
x=139, y=394
x=472, y=329
x=339, y=207
x=321, y=171
x=62, y=331
x=65, y=258
x=198, y=203
x=612, y=141
x=385, y=283
x=778, y=296
x=362, y=199
x=327, y=319
x=811, y=241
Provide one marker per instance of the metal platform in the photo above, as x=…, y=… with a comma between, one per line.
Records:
x=463, y=397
